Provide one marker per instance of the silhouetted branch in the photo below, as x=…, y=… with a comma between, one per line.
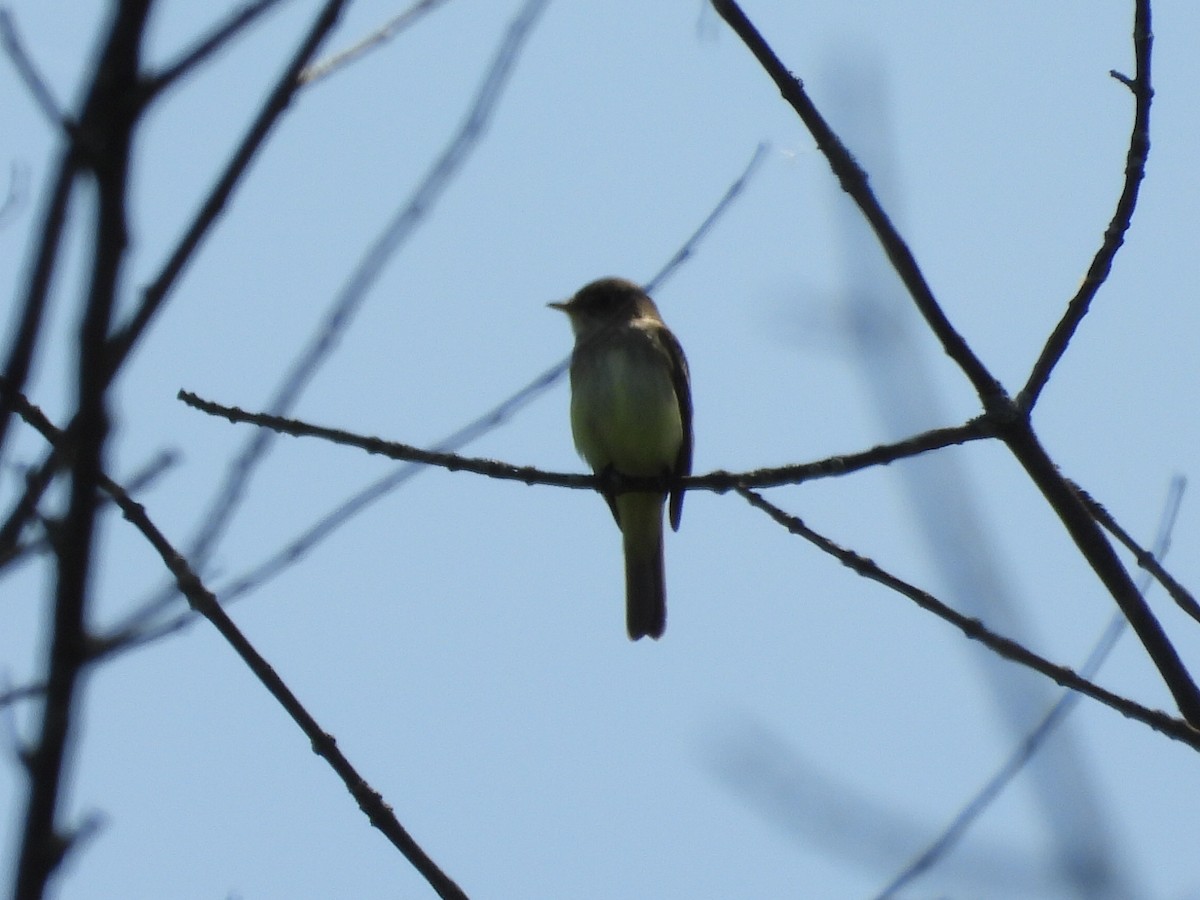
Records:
x=324, y=745
x=974, y=629
x=1114, y=235
x=392, y=450
x=714, y=481
x=1099, y=553
x=1151, y=562
x=37, y=482
x=833, y=466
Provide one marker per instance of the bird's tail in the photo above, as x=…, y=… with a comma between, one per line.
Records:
x=641, y=519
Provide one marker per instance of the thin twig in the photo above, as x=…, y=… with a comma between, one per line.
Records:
x=1176, y=729
x=450, y=461
x=1151, y=562
x=236, y=22
x=950, y=836
x=834, y=466
x=689, y=246
x=1114, y=235
x=381, y=35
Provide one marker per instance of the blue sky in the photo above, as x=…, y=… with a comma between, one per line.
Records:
x=463, y=638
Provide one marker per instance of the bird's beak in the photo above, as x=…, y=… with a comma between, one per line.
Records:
x=561, y=305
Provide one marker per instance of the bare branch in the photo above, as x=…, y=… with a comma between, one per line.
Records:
x=1009, y=420
x=450, y=461
x=833, y=466
x=1085, y=532
x=1150, y=561
x=1114, y=235
x=974, y=629
x=24, y=345
x=714, y=481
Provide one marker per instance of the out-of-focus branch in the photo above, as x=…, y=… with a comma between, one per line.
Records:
x=106, y=129
x=689, y=246
x=37, y=289
x=37, y=480
x=15, y=195
x=237, y=21
x=33, y=79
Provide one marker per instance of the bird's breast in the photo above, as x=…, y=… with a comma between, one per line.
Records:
x=624, y=411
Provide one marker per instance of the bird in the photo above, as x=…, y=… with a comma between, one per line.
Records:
x=631, y=415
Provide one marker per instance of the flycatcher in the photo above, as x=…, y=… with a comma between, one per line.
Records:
x=631, y=413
